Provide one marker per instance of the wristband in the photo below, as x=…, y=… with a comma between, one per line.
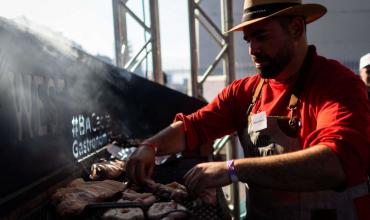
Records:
x=232, y=171
x=154, y=146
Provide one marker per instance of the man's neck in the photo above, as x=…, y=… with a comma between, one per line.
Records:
x=293, y=67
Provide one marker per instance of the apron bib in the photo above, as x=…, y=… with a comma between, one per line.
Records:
x=264, y=203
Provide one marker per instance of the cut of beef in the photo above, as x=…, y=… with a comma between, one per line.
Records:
x=168, y=210
x=173, y=190
x=123, y=214
x=146, y=199
x=72, y=199
x=107, y=169
x=179, y=193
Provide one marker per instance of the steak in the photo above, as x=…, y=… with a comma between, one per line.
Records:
x=107, y=169
x=168, y=210
x=72, y=199
x=124, y=214
x=146, y=199
x=173, y=190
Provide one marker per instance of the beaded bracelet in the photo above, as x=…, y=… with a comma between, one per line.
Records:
x=232, y=171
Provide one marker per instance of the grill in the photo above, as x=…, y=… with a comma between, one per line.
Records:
x=173, y=170
x=58, y=109
x=195, y=208
x=194, y=211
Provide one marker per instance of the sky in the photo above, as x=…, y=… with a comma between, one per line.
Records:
x=89, y=23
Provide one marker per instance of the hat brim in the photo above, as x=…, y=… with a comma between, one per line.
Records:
x=310, y=12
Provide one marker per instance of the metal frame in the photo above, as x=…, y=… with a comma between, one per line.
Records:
x=120, y=33
x=197, y=16
x=226, y=42
x=120, y=11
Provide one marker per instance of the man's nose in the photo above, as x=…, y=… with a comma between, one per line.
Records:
x=254, y=48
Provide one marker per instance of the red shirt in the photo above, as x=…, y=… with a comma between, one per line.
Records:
x=334, y=111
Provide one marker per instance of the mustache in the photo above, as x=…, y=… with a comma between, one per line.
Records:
x=260, y=58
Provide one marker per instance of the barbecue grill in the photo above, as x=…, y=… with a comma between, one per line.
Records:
x=195, y=208
x=59, y=107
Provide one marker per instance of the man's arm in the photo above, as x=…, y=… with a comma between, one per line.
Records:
x=170, y=140
x=315, y=168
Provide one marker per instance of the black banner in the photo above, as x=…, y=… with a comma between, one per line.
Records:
x=58, y=104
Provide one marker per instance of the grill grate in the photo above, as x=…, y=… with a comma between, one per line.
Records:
x=196, y=210
x=205, y=211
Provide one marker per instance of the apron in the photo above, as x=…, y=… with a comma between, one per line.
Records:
x=280, y=137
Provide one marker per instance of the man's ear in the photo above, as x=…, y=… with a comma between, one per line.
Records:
x=297, y=27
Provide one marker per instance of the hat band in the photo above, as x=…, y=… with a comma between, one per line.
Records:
x=264, y=10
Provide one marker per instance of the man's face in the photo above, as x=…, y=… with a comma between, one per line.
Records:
x=270, y=46
x=365, y=75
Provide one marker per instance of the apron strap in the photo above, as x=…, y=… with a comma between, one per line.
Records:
x=294, y=122
x=256, y=94
x=297, y=90
x=300, y=83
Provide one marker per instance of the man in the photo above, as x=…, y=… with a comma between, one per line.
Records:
x=303, y=122
x=365, y=71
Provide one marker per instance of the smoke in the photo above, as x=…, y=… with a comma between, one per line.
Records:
x=58, y=103
x=48, y=37
x=45, y=83
x=54, y=89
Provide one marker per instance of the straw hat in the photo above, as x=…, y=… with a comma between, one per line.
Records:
x=258, y=10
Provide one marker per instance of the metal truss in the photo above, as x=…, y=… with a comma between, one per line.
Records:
x=151, y=46
x=225, y=40
x=197, y=16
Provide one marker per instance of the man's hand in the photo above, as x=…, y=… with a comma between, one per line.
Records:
x=141, y=164
x=170, y=140
x=206, y=175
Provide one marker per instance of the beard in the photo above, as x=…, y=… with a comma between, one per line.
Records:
x=274, y=65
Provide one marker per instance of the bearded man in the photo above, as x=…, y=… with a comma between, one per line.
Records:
x=303, y=122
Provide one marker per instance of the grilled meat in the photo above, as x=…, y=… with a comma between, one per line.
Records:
x=123, y=214
x=173, y=190
x=146, y=199
x=72, y=199
x=167, y=210
x=107, y=169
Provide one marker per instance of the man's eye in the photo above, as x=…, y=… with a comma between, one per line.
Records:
x=246, y=40
x=261, y=37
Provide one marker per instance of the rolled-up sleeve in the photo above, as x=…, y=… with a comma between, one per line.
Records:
x=220, y=117
x=191, y=136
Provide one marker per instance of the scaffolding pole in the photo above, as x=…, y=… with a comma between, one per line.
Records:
x=195, y=87
x=229, y=67
x=120, y=33
x=120, y=12
x=156, y=42
x=226, y=42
